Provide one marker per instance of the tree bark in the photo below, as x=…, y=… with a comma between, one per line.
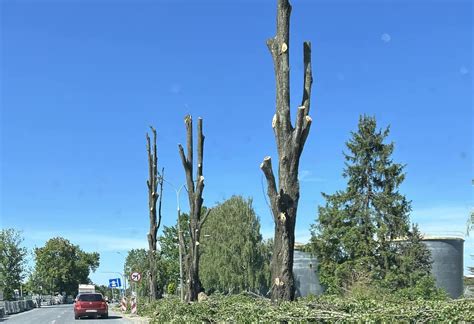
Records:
x=290, y=142
x=154, y=181
x=195, y=189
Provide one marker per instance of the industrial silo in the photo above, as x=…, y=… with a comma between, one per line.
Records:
x=447, y=268
x=305, y=274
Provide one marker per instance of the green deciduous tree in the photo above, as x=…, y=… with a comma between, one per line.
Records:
x=169, y=246
x=61, y=266
x=355, y=231
x=233, y=256
x=12, y=261
x=138, y=261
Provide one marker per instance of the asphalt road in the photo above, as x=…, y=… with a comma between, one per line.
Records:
x=59, y=314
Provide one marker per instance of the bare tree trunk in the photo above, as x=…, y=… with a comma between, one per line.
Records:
x=154, y=181
x=195, y=189
x=290, y=142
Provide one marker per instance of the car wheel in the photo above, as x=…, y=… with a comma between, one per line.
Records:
x=105, y=316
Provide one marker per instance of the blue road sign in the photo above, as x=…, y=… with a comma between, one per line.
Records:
x=115, y=283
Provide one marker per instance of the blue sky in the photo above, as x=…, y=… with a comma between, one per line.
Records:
x=82, y=80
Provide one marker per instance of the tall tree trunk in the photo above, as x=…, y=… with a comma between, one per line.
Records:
x=290, y=142
x=154, y=181
x=195, y=189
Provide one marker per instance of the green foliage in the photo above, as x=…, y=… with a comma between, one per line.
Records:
x=411, y=263
x=171, y=288
x=425, y=288
x=325, y=309
x=356, y=231
x=169, y=249
x=12, y=261
x=62, y=266
x=233, y=255
x=105, y=291
x=137, y=261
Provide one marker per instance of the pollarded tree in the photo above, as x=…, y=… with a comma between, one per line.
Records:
x=12, y=261
x=290, y=141
x=355, y=232
x=232, y=243
x=194, y=189
x=154, y=183
x=62, y=266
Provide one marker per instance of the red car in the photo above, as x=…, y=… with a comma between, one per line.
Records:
x=90, y=304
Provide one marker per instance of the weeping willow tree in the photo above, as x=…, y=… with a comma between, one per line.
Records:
x=232, y=243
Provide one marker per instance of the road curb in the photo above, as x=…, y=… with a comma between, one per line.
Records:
x=134, y=318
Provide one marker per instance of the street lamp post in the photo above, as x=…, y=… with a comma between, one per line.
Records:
x=179, y=239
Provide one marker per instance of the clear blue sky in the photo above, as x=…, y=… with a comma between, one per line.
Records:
x=82, y=80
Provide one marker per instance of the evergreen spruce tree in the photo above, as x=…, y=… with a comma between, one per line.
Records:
x=355, y=232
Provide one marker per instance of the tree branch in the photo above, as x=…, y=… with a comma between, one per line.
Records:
x=200, y=148
x=304, y=134
x=160, y=181
x=278, y=47
x=203, y=220
x=266, y=167
x=308, y=77
x=299, y=124
x=199, y=189
x=189, y=177
x=188, y=121
x=150, y=164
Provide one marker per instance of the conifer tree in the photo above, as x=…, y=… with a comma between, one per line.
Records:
x=355, y=234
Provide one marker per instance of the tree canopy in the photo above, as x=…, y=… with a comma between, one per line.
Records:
x=356, y=231
x=169, y=246
x=12, y=261
x=234, y=257
x=137, y=261
x=61, y=266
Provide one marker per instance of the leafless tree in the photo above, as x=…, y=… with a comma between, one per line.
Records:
x=290, y=142
x=154, y=183
x=194, y=189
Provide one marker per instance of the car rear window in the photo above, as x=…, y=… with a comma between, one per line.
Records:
x=90, y=297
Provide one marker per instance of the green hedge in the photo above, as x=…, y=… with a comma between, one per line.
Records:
x=325, y=309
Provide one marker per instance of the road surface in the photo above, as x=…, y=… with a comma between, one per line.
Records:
x=59, y=314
